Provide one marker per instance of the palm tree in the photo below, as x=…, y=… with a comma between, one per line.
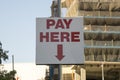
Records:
x=3, y=54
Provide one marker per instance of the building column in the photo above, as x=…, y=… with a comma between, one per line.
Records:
x=80, y=73
x=83, y=74
x=77, y=74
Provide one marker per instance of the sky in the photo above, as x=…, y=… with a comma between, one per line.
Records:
x=28, y=71
x=18, y=25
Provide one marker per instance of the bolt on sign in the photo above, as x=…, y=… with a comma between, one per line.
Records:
x=59, y=41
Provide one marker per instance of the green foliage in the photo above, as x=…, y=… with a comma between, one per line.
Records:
x=3, y=54
x=4, y=75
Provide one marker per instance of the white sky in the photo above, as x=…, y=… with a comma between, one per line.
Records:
x=17, y=26
x=28, y=71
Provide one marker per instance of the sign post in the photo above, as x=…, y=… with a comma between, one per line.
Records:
x=60, y=47
x=59, y=41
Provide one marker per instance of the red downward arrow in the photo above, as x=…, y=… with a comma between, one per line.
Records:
x=60, y=55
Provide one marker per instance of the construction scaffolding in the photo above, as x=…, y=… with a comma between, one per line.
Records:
x=101, y=39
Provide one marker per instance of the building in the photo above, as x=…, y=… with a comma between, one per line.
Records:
x=101, y=38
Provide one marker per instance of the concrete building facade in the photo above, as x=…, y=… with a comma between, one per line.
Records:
x=101, y=38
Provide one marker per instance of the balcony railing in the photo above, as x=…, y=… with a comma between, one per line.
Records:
x=102, y=53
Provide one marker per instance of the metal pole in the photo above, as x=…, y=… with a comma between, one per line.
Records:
x=102, y=71
x=13, y=65
x=59, y=72
x=59, y=8
x=59, y=66
x=13, y=62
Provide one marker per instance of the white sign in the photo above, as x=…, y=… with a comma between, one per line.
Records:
x=59, y=41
